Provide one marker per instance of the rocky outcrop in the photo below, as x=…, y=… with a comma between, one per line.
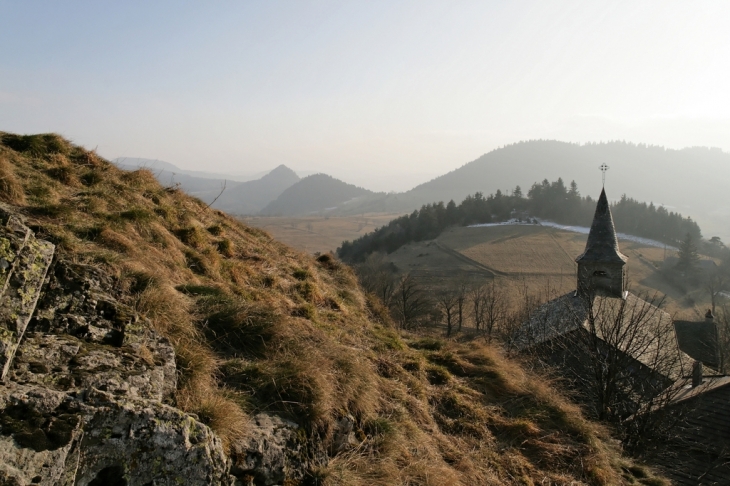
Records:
x=88, y=386
x=87, y=396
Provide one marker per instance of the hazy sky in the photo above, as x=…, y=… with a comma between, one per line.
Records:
x=381, y=94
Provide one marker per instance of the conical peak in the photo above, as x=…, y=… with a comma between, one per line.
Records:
x=602, y=245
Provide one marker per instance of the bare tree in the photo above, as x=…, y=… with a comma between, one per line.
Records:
x=494, y=308
x=462, y=290
x=410, y=303
x=723, y=334
x=716, y=282
x=377, y=277
x=476, y=299
x=447, y=303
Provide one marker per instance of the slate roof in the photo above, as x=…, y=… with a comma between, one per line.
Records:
x=602, y=244
x=700, y=452
x=570, y=312
x=699, y=340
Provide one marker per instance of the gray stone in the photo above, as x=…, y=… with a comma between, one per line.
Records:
x=28, y=260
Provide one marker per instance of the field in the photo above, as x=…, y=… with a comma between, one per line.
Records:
x=319, y=233
x=538, y=258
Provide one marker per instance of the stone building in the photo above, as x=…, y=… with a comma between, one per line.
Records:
x=601, y=331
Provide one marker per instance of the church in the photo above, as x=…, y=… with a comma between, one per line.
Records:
x=602, y=320
x=627, y=361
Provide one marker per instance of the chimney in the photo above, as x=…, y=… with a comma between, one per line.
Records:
x=696, y=374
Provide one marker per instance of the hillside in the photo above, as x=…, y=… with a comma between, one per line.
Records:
x=534, y=257
x=315, y=194
x=161, y=321
x=250, y=197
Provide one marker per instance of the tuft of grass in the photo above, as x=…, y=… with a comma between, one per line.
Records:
x=35, y=145
x=192, y=236
x=200, y=290
x=91, y=178
x=222, y=415
x=428, y=343
x=215, y=230
x=307, y=311
x=226, y=248
x=136, y=215
x=11, y=191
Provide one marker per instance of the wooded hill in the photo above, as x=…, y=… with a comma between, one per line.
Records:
x=261, y=332
x=692, y=181
x=553, y=201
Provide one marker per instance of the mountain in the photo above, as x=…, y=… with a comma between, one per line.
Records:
x=237, y=197
x=250, y=197
x=317, y=193
x=693, y=181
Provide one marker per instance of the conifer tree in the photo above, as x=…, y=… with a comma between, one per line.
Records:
x=688, y=257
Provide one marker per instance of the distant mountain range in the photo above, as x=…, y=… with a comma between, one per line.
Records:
x=693, y=181
x=229, y=191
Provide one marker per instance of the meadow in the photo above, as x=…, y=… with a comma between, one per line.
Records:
x=322, y=234
x=536, y=258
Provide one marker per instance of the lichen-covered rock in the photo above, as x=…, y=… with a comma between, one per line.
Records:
x=24, y=261
x=88, y=396
x=272, y=453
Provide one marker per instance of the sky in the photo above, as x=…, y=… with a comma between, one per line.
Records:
x=382, y=94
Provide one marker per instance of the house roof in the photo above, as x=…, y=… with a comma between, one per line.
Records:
x=602, y=244
x=699, y=452
x=698, y=340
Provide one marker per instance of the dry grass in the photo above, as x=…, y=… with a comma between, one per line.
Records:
x=258, y=326
x=11, y=191
x=320, y=233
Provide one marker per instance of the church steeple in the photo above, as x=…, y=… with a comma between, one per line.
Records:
x=601, y=266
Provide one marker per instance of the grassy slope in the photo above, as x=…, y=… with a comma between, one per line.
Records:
x=259, y=326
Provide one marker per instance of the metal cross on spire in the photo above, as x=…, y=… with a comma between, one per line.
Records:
x=604, y=168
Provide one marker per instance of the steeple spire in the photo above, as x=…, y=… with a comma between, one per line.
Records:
x=602, y=245
x=601, y=265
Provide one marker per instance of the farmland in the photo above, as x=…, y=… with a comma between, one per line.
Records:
x=536, y=258
x=319, y=233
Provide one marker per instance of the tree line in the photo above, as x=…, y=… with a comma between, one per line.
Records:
x=546, y=200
